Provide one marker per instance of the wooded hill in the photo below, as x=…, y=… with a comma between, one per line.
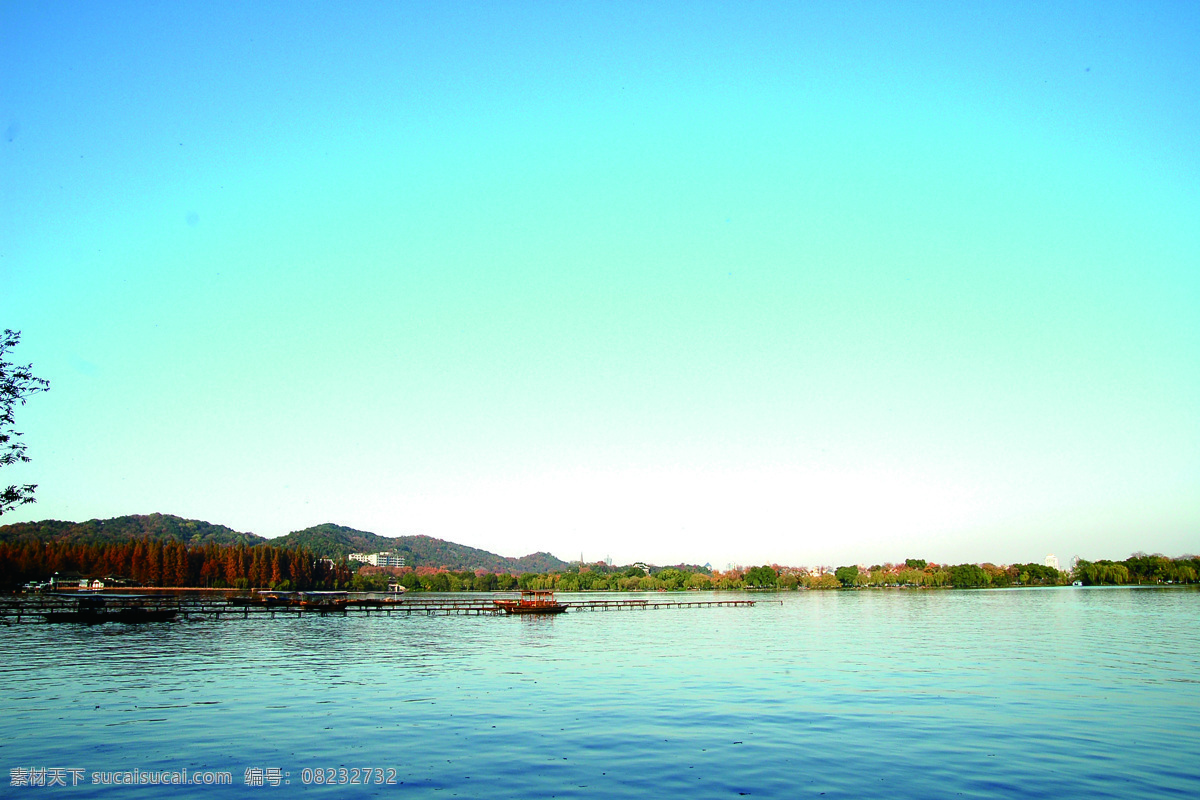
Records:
x=325, y=541
x=337, y=541
x=154, y=527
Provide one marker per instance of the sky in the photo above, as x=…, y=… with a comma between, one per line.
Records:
x=799, y=283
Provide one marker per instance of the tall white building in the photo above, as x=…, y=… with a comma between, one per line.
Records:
x=1052, y=561
x=379, y=559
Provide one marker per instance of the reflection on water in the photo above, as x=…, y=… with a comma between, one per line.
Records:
x=1062, y=692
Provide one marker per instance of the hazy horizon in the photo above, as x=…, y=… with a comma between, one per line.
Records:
x=694, y=282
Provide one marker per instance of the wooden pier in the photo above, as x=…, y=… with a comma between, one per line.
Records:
x=647, y=605
x=95, y=608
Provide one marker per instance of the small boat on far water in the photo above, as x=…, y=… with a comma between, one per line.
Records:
x=533, y=601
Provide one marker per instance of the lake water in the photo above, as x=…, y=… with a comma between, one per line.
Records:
x=1037, y=693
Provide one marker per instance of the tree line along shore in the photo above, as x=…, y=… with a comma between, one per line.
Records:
x=174, y=564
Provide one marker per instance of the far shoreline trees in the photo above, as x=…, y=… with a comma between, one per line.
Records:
x=172, y=563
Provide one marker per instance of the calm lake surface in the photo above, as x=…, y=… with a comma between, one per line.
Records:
x=1038, y=693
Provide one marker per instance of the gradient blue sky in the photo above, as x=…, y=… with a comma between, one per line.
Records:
x=809, y=283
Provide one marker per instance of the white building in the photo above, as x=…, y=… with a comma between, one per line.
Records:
x=1052, y=561
x=379, y=559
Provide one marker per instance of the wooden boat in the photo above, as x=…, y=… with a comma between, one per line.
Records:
x=95, y=609
x=267, y=597
x=96, y=616
x=533, y=601
x=324, y=601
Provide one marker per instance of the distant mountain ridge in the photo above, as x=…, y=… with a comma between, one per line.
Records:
x=327, y=540
x=156, y=527
x=337, y=541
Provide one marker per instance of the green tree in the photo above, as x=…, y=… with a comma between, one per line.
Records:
x=17, y=384
x=825, y=581
x=671, y=578
x=968, y=576
x=997, y=576
x=763, y=577
x=846, y=576
x=1101, y=572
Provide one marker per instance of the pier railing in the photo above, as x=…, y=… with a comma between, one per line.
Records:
x=94, y=608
